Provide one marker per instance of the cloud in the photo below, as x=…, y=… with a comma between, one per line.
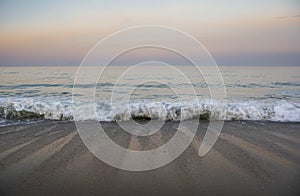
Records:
x=286, y=17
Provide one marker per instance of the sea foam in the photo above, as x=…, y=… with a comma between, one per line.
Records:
x=62, y=109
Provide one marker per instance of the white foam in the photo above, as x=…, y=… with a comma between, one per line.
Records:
x=54, y=108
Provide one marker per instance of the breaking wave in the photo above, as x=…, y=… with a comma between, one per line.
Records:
x=58, y=109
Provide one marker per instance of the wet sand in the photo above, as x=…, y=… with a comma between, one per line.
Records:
x=249, y=158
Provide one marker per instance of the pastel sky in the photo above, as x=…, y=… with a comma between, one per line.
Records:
x=236, y=32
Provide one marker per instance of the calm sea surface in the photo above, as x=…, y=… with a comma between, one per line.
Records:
x=252, y=93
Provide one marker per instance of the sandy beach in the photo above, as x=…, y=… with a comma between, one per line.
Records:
x=249, y=158
x=193, y=98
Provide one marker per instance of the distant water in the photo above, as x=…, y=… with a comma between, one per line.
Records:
x=253, y=93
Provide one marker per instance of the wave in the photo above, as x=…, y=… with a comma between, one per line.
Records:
x=60, y=109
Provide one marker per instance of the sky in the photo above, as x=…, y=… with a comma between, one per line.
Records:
x=236, y=32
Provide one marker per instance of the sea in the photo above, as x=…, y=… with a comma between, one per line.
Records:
x=260, y=93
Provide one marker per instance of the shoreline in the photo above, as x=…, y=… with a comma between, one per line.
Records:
x=249, y=157
x=8, y=123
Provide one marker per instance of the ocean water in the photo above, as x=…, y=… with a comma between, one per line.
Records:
x=252, y=93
